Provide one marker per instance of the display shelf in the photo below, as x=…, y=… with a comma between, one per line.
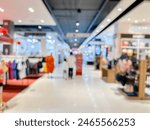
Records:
x=141, y=94
x=128, y=47
x=138, y=42
x=108, y=75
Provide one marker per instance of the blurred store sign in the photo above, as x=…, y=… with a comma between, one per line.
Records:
x=138, y=36
x=78, y=35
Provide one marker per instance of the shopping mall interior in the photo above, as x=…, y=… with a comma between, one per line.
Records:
x=74, y=56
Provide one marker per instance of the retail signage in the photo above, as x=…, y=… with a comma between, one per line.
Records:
x=6, y=39
x=138, y=36
x=79, y=64
x=78, y=35
x=9, y=25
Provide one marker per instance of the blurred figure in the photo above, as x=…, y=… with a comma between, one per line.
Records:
x=71, y=64
x=65, y=69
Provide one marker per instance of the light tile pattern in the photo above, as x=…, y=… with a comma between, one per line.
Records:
x=82, y=94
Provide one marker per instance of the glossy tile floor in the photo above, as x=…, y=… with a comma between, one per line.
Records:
x=82, y=94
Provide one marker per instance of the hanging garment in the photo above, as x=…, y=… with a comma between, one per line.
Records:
x=17, y=72
x=15, y=69
x=10, y=65
x=50, y=64
x=45, y=68
x=28, y=67
x=22, y=70
x=1, y=76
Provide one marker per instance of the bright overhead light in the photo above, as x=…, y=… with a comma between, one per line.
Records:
x=108, y=20
x=75, y=40
x=76, y=30
x=77, y=23
x=39, y=27
x=31, y=10
x=143, y=20
x=42, y=21
x=97, y=31
x=75, y=44
x=136, y=21
x=2, y=10
x=129, y=19
x=20, y=21
x=119, y=9
x=102, y=26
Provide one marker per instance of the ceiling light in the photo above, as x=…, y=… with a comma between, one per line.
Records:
x=42, y=21
x=102, y=26
x=143, y=20
x=77, y=23
x=39, y=27
x=97, y=31
x=20, y=21
x=76, y=30
x=75, y=40
x=108, y=20
x=136, y=21
x=75, y=44
x=119, y=9
x=31, y=10
x=1, y=10
x=129, y=19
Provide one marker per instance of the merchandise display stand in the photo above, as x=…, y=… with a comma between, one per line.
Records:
x=142, y=73
x=135, y=43
x=108, y=75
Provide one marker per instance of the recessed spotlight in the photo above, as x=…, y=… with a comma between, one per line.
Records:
x=75, y=44
x=143, y=20
x=119, y=9
x=129, y=19
x=102, y=26
x=136, y=21
x=39, y=27
x=108, y=20
x=31, y=10
x=42, y=21
x=75, y=40
x=76, y=30
x=97, y=31
x=20, y=21
x=77, y=23
x=2, y=10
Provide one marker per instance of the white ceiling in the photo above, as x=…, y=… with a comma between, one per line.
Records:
x=123, y=5
x=140, y=13
x=18, y=10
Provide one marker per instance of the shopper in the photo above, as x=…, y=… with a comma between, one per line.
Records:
x=71, y=64
x=65, y=69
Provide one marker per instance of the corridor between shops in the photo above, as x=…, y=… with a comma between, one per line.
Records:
x=88, y=93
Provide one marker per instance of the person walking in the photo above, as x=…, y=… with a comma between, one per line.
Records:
x=65, y=69
x=71, y=64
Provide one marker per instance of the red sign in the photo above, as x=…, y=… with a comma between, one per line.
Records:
x=6, y=39
x=79, y=64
